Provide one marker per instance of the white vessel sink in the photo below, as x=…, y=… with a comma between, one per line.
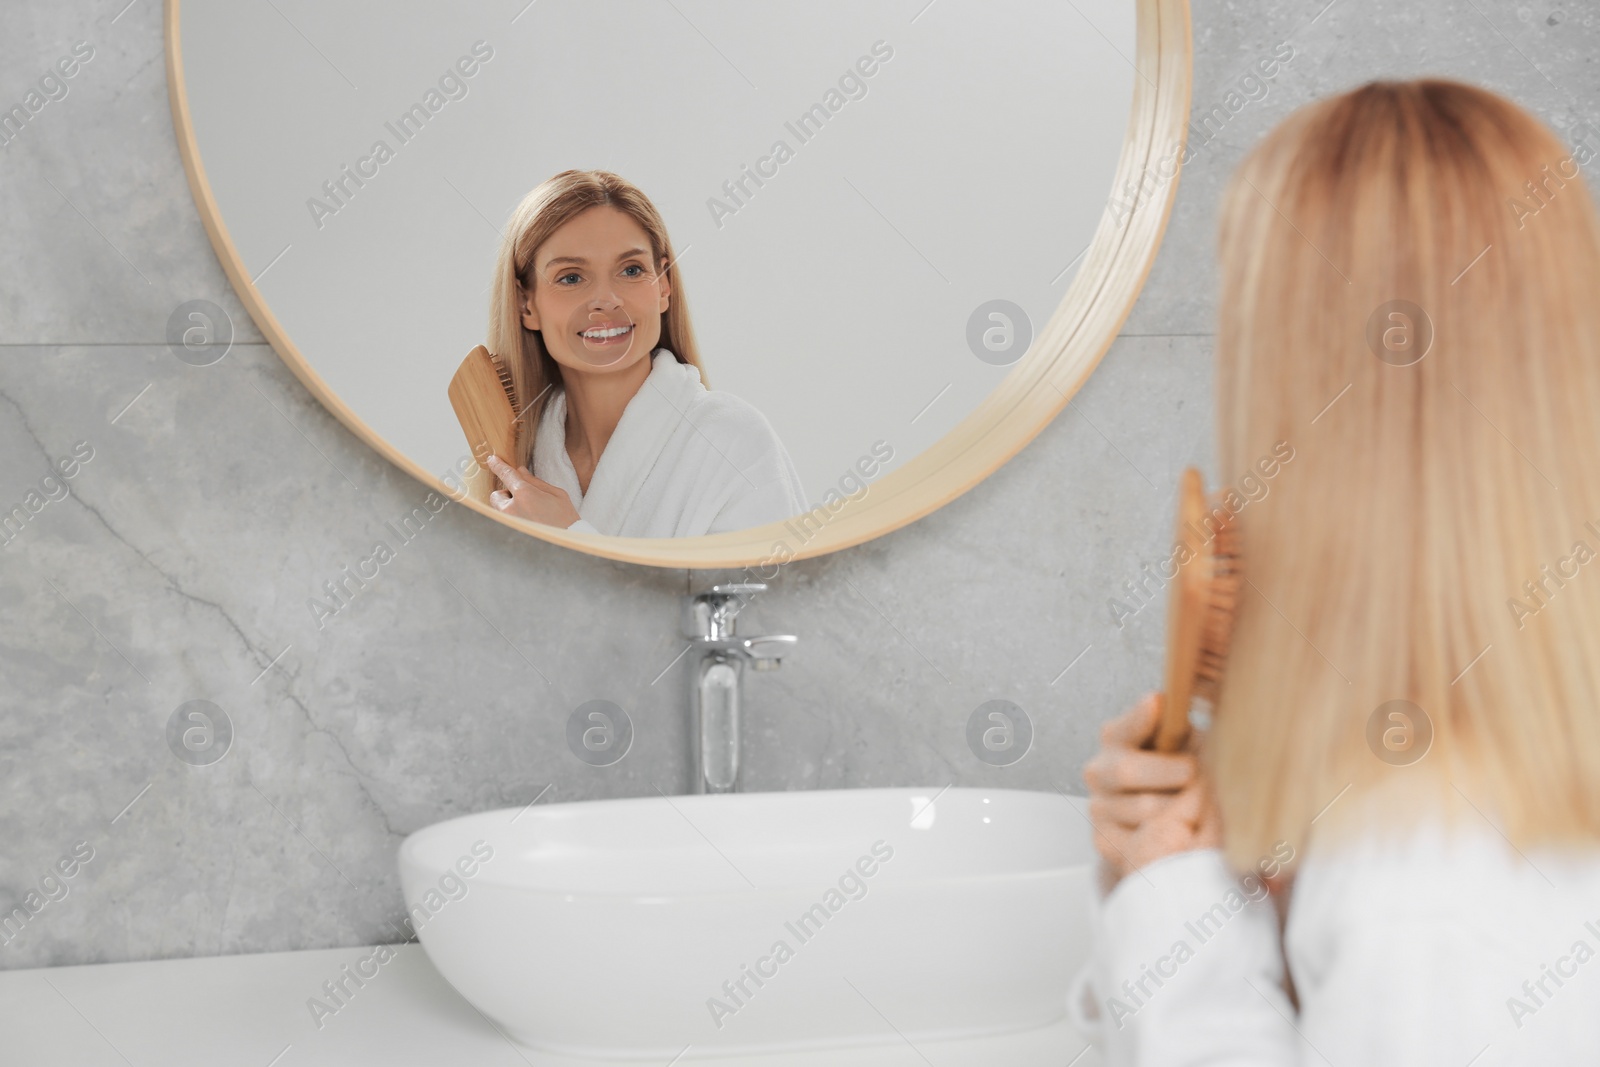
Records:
x=758, y=922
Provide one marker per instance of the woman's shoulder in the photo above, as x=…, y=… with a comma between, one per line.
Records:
x=1439, y=844
x=1455, y=875
x=1415, y=940
x=732, y=419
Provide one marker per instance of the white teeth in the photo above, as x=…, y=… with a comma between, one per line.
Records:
x=600, y=335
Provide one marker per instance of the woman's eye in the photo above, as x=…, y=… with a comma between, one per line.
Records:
x=569, y=278
x=633, y=267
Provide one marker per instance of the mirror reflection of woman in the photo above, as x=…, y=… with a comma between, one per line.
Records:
x=619, y=434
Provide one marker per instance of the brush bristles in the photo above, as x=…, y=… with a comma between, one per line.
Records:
x=1227, y=581
x=504, y=373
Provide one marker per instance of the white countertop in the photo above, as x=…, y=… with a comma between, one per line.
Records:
x=252, y=1011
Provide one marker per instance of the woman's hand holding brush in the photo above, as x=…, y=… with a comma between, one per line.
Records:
x=1146, y=804
x=526, y=497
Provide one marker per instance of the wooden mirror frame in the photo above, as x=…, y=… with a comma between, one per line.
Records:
x=1039, y=385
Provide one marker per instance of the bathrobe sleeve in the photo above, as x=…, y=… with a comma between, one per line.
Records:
x=759, y=482
x=1440, y=948
x=771, y=493
x=1188, y=970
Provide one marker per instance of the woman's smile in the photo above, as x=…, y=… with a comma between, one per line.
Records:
x=607, y=335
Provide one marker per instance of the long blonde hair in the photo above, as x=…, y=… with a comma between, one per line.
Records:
x=1426, y=500
x=547, y=208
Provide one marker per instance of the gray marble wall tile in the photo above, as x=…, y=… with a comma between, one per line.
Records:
x=219, y=499
x=182, y=566
x=1539, y=54
x=103, y=237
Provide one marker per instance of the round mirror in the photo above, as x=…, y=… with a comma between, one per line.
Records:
x=732, y=284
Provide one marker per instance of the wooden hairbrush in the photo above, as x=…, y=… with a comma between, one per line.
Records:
x=1200, y=609
x=485, y=402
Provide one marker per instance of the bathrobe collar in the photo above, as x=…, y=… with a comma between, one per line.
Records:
x=650, y=418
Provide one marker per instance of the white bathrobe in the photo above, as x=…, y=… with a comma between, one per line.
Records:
x=683, y=461
x=1425, y=951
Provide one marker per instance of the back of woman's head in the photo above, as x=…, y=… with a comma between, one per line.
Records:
x=1411, y=299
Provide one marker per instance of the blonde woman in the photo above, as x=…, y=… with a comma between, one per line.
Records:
x=1406, y=747
x=619, y=434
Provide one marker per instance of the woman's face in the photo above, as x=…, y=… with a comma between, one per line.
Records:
x=597, y=299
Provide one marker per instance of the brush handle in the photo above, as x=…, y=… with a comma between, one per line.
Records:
x=479, y=398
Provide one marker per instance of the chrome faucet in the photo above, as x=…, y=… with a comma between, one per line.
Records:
x=715, y=667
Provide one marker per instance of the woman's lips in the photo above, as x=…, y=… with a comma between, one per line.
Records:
x=607, y=335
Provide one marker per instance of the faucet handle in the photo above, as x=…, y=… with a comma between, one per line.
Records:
x=712, y=614
x=766, y=653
